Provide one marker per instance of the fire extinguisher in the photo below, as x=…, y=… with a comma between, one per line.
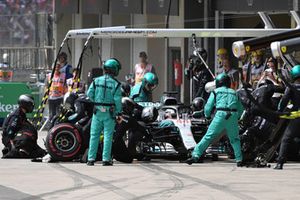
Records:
x=177, y=72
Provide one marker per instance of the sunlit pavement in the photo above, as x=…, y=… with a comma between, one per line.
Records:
x=158, y=179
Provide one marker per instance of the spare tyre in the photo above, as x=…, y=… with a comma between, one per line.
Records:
x=64, y=142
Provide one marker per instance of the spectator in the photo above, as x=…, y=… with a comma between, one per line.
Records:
x=224, y=66
x=71, y=87
x=256, y=66
x=57, y=91
x=142, y=68
x=65, y=67
x=232, y=73
x=271, y=72
x=221, y=55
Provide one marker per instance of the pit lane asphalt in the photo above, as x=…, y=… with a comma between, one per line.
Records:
x=158, y=179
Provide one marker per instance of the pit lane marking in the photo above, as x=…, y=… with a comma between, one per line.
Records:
x=222, y=188
x=105, y=184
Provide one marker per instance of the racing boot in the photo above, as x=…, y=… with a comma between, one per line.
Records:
x=279, y=165
x=240, y=164
x=107, y=163
x=192, y=160
x=90, y=163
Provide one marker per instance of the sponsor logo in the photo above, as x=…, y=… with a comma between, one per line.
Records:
x=149, y=104
x=129, y=32
x=8, y=107
x=83, y=33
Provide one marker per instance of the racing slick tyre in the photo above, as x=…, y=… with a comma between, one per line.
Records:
x=64, y=142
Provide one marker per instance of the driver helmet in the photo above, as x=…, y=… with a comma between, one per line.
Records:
x=149, y=114
x=223, y=80
x=150, y=81
x=112, y=66
x=295, y=72
x=198, y=104
x=26, y=101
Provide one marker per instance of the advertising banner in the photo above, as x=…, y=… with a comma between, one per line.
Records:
x=9, y=94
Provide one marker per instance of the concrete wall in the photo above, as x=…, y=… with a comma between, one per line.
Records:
x=91, y=56
x=126, y=50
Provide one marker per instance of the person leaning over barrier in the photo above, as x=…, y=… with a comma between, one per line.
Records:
x=105, y=92
x=228, y=111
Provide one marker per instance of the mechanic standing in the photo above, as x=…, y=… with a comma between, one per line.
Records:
x=228, y=111
x=292, y=130
x=105, y=91
x=141, y=92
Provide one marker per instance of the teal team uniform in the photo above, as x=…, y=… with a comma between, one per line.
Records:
x=138, y=93
x=228, y=111
x=105, y=91
x=142, y=92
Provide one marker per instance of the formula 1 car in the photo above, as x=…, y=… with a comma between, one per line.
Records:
x=165, y=129
x=149, y=135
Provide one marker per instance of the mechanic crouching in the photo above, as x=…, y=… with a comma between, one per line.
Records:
x=228, y=111
x=105, y=92
x=19, y=136
x=292, y=130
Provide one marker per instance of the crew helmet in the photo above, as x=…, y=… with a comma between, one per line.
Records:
x=26, y=102
x=150, y=81
x=223, y=80
x=295, y=72
x=112, y=66
x=198, y=104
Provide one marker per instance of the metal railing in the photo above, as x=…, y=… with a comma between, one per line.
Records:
x=26, y=57
x=26, y=61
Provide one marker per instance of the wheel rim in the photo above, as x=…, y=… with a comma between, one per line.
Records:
x=65, y=141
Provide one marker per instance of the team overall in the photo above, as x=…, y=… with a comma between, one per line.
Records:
x=142, y=92
x=105, y=91
x=228, y=111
